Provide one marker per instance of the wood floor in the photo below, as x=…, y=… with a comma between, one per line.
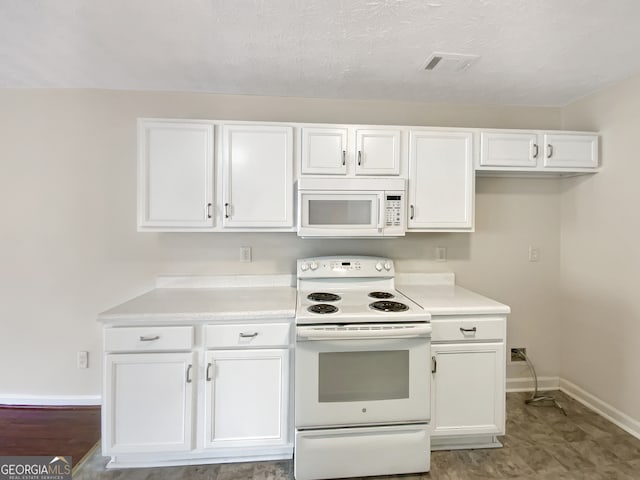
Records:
x=53, y=431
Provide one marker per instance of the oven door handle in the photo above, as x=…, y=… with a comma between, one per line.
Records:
x=311, y=333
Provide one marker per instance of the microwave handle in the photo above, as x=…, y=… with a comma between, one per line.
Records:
x=380, y=212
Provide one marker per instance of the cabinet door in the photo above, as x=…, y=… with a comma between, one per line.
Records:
x=175, y=175
x=441, y=181
x=148, y=403
x=571, y=151
x=468, y=394
x=246, y=397
x=258, y=176
x=377, y=152
x=324, y=151
x=507, y=149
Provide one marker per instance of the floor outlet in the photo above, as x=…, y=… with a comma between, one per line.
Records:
x=245, y=254
x=83, y=359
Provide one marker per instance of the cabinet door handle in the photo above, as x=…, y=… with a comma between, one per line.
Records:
x=226, y=210
x=209, y=366
x=209, y=205
x=249, y=335
x=412, y=210
x=468, y=330
x=434, y=364
x=189, y=379
x=549, y=150
x=535, y=150
x=344, y=157
x=149, y=339
x=359, y=157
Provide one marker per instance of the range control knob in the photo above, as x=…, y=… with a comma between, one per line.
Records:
x=313, y=266
x=387, y=266
x=304, y=267
x=379, y=266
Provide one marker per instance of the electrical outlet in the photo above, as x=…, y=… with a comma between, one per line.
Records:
x=441, y=254
x=83, y=359
x=245, y=254
x=515, y=354
x=534, y=254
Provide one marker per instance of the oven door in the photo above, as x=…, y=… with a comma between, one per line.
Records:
x=362, y=375
x=337, y=214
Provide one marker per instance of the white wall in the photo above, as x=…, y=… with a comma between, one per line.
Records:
x=600, y=258
x=69, y=247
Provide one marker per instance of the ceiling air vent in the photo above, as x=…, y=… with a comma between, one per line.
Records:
x=449, y=62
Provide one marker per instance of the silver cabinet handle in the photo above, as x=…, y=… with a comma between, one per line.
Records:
x=468, y=330
x=359, y=157
x=226, y=210
x=412, y=212
x=535, y=150
x=209, y=377
x=434, y=364
x=149, y=339
x=249, y=335
x=549, y=150
x=344, y=157
x=189, y=379
x=209, y=205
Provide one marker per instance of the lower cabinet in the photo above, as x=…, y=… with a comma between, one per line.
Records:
x=246, y=398
x=468, y=384
x=149, y=403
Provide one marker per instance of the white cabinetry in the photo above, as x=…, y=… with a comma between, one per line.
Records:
x=175, y=175
x=257, y=176
x=468, y=374
x=441, y=181
x=148, y=397
x=348, y=150
x=545, y=152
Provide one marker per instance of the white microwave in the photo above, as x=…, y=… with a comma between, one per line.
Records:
x=351, y=207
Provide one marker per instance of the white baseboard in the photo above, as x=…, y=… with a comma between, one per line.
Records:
x=50, y=400
x=609, y=412
x=526, y=384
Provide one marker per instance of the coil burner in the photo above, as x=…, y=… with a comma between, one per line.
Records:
x=387, y=306
x=322, y=308
x=323, y=297
x=381, y=295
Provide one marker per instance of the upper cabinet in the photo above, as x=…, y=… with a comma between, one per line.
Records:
x=544, y=152
x=175, y=175
x=258, y=176
x=348, y=150
x=249, y=187
x=441, y=180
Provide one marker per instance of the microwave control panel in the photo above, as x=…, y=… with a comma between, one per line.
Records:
x=394, y=211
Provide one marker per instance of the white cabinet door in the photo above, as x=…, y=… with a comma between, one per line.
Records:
x=571, y=151
x=377, y=152
x=175, y=175
x=324, y=151
x=258, y=176
x=468, y=394
x=246, y=397
x=441, y=180
x=507, y=149
x=148, y=403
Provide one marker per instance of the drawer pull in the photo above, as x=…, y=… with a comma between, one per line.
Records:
x=189, y=379
x=468, y=330
x=149, y=339
x=249, y=335
x=209, y=377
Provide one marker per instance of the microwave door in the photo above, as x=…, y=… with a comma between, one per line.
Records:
x=340, y=214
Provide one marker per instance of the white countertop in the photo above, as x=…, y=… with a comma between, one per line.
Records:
x=439, y=295
x=202, y=303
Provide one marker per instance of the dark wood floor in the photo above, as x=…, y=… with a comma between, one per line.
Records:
x=49, y=431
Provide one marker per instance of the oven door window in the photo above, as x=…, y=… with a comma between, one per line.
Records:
x=363, y=376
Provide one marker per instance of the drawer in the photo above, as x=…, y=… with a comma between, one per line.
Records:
x=142, y=339
x=468, y=329
x=247, y=335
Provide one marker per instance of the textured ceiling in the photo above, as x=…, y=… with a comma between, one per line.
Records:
x=532, y=52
